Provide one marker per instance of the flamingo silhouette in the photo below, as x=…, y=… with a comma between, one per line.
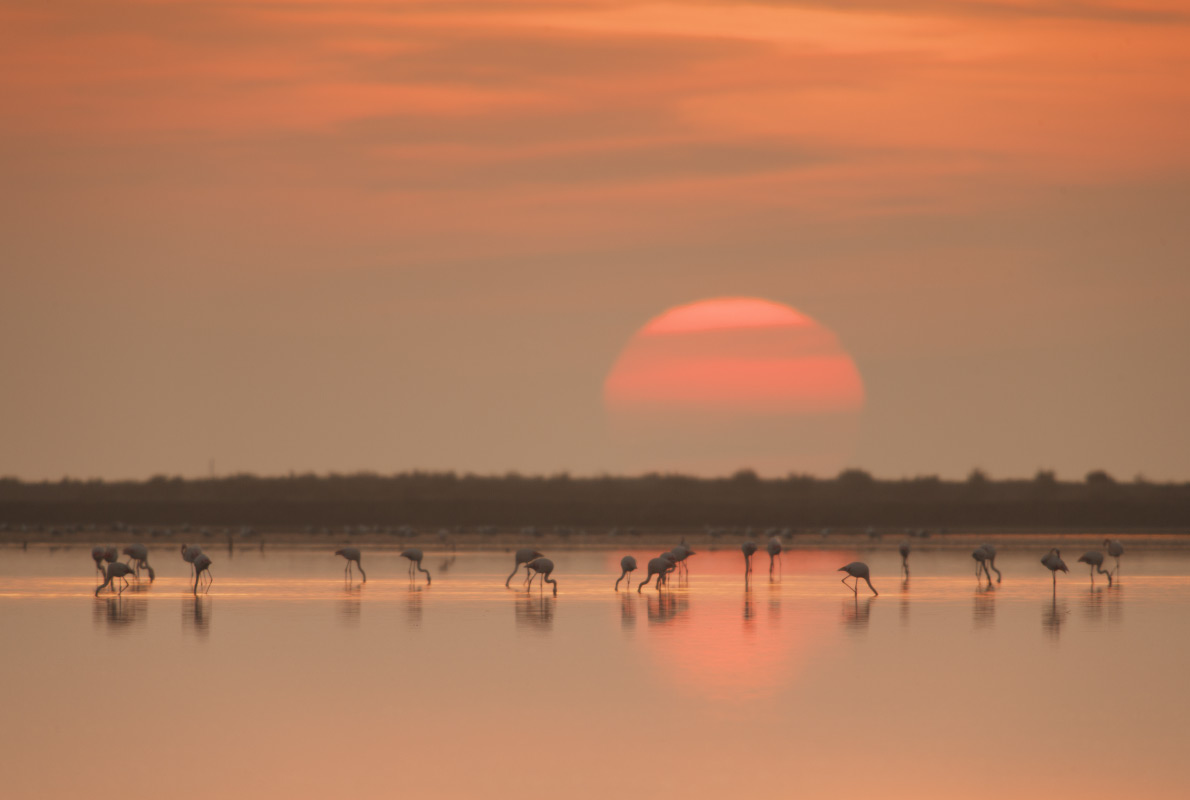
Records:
x=415, y=555
x=981, y=563
x=903, y=549
x=523, y=556
x=189, y=553
x=97, y=553
x=1095, y=559
x=672, y=561
x=202, y=563
x=680, y=554
x=1114, y=549
x=351, y=554
x=657, y=566
x=857, y=570
x=627, y=564
x=138, y=558
x=116, y=569
x=543, y=567
x=1053, y=562
x=990, y=551
x=774, y=548
x=748, y=548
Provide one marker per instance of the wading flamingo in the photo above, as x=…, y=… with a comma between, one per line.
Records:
x=657, y=566
x=523, y=556
x=748, y=548
x=857, y=570
x=116, y=569
x=774, y=548
x=202, y=564
x=1053, y=562
x=990, y=549
x=903, y=549
x=628, y=565
x=189, y=553
x=415, y=555
x=138, y=558
x=1095, y=559
x=542, y=567
x=351, y=554
x=1114, y=549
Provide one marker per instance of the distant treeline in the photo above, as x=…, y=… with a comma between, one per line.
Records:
x=853, y=498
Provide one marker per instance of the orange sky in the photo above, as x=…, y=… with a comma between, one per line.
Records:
x=311, y=236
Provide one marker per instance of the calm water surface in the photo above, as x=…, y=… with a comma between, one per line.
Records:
x=286, y=681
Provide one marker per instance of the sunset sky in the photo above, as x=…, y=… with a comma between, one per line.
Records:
x=321, y=236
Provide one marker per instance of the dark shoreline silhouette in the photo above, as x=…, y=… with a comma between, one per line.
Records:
x=852, y=499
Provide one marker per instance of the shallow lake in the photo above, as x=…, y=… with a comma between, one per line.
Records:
x=285, y=680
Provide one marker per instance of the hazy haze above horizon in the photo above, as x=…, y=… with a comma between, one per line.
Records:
x=321, y=237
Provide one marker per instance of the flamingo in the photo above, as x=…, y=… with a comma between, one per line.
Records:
x=669, y=558
x=202, y=563
x=681, y=553
x=903, y=549
x=351, y=554
x=774, y=548
x=543, y=567
x=1114, y=549
x=627, y=564
x=990, y=549
x=657, y=566
x=140, y=554
x=116, y=569
x=523, y=556
x=857, y=570
x=1053, y=562
x=1095, y=559
x=981, y=563
x=189, y=553
x=748, y=548
x=97, y=553
x=415, y=556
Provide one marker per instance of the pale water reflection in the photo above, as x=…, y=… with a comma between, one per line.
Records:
x=305, y=685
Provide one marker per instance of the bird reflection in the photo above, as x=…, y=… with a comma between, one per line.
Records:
x=1053, y=614
x=665, y=606
x=349, y=606
x=905, y=600
x=118, y=613
x=196, y=615
x=983, y=611
x=774, y=605
x=856, y=613
x=413, y=605
x=535, y=612
x=627, y=612
x=749, y=605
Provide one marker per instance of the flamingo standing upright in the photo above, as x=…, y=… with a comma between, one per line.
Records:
x=523, y=556
x=903, y=549
x=202, y=563
x=774, y=548
x=543, y=567
x=1095, y=559
x=857, y=570
x=414, y=555
x=138, y=558
x=1114, y=549
x=351, y=554
x=657, y=566
x=116, y=569
x=748, y=548
x=627, y=565
x=1053, y=562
